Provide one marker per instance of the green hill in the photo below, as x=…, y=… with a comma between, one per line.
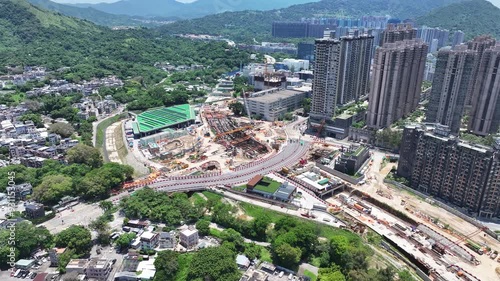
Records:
x=33, y=36
x=245, y=25
x=89, y=14
x=94, y=15
x=473, y=17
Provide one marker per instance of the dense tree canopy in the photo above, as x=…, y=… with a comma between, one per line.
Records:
x=27, y=239
x=166, y=264
x=222, y=265
x=75, y=237
x=84, y=154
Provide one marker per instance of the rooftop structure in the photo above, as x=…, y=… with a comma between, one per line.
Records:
x=154, y=120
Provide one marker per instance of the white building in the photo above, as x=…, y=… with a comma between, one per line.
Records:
x=274, y=103
x=189, y=238
x=296, y=65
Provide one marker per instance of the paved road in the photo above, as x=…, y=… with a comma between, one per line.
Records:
x=289, y=155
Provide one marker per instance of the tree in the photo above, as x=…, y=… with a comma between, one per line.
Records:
x=36, y=118
x=203, y=227
x=84, y=154
x=166, y=265
x=306, y=105
x=238, y=108
x=287, y=255
x=213, y=264
x=27, y=239
x=75, y=237
x=252, y=251
x=124, y=241
x=65, y=130
x=405, y=275
x=386, y=274
x=105, y=205
x=53, y=188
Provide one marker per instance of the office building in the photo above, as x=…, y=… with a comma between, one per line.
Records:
x=398, y=71
x=299, y=29
x=305, y=51
x=454, y=68
x=478, y=44
x=398, y=32
x=463, y=174
x=274, y=103
x=341, y=73
x=485, y=113
x=458, y=38
x=315, y=27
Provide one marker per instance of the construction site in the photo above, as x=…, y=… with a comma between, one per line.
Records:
x=219, y=143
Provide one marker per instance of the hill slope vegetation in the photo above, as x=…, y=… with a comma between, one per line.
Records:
x=473, y=17
x=32, y=36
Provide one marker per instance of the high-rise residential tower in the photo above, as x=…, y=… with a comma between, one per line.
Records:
x=485, y=113
x=428, y=34
x=398, y=32
x=458, y=38
x=341, y=73
x=478, y=44
x=398, y=71
x=454, y=69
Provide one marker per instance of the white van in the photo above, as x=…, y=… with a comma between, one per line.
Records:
x=281, y=274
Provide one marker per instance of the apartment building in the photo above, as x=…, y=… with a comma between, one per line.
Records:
x=460, y=173
x=485, y=113
x=189, y=238
x=454, y=71
x=398, y=71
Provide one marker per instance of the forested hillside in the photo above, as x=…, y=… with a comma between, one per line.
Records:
x=32, y=36
x=473, y=17
x=246, y=25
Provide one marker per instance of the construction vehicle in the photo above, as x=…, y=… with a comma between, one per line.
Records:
x=475, y=247
x=320, y=127
x=308, y=215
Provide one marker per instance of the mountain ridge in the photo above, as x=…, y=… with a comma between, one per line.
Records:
x=170, y=8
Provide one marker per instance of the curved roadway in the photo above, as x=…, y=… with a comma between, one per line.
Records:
x=290, y=154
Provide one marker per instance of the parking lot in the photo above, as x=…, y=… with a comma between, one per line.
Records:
x=81, y=214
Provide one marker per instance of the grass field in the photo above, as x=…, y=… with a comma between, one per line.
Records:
x=267, y=185
x=310, y=275
x=265, y=255
x=101, y=129
x=184, y=262
x=196, y=198
x=321, y=229
x=211, y=195
x=256, y=211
